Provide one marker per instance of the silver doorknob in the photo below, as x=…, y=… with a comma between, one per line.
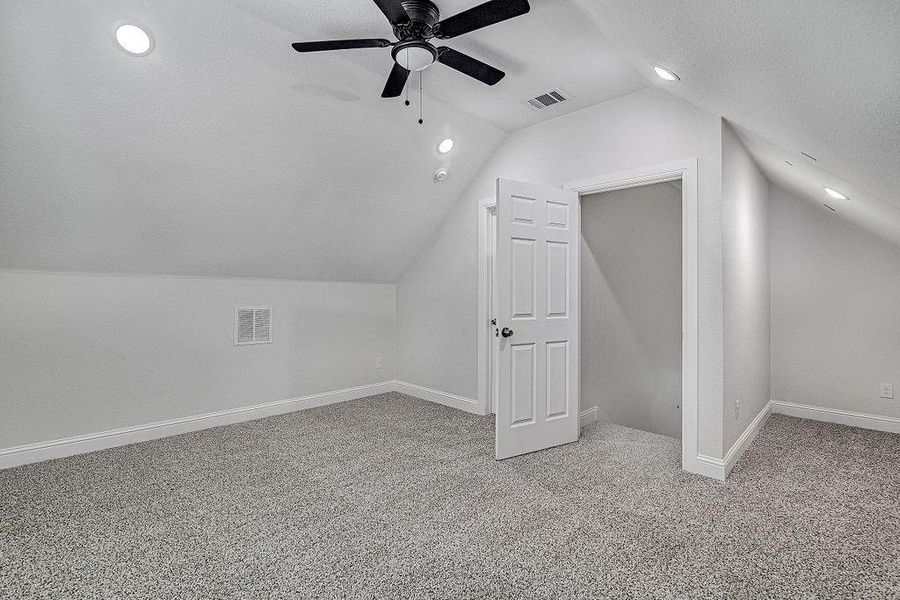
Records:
x=506, y=332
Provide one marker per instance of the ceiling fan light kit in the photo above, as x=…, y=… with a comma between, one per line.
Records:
x=414, y=55
x=415, y=23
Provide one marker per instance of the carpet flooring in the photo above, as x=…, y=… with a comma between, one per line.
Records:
x=393, y=497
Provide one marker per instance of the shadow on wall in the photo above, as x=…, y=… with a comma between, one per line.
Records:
x=631, y=307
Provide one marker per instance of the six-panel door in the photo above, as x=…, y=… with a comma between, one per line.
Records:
x=537, y=290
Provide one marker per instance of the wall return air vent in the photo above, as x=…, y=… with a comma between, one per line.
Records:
x=548, y=99
x=252, y=325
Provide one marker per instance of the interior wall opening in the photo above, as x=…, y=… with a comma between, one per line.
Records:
x=658, y=378
x=631, y=306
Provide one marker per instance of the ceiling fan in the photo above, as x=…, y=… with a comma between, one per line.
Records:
x=415, y=22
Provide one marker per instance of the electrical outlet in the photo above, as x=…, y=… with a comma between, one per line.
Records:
x=887, y=391
x=379, y=362
x=737, y=410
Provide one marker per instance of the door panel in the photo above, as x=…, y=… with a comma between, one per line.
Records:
x=523, y=281
x=557, y=215
x=557, y=379
x=557, y=280
x=537, y=302
x=523, y=210
x=522, y=381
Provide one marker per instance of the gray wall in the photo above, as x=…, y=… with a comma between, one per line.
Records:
x=835, y=310
x=631, y=307
x=745, y=199
x=437, y=296
x=89, y=353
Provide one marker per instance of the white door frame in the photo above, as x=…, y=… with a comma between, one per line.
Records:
x=686, y=171
x=486, y=309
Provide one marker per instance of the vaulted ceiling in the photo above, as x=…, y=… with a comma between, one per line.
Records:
x=224, y=152
x=800, y=76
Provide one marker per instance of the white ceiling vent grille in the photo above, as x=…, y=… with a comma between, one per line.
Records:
x=548, y=99
x=252, y=325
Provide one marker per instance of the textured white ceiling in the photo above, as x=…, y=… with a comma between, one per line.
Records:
x=224, y=152
x=814, y=76
x=807, y=180
x=553, y=46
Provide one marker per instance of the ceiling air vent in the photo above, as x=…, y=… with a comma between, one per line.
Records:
x=547, y=99
x=252, y=325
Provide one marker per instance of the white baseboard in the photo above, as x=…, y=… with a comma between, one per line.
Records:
x=743, y=442
x=834, y=415
x=708, y=466
x=452, y=400
x=30, y=453
x=719, y=468
x=587, y=416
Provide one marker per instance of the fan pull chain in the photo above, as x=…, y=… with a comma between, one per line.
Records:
x=406, y=85
x=421, y=74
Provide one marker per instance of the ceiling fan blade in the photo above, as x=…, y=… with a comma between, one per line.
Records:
x=396, y=82
x=470, y=66
x=480, y=16
x=393, y=10
x=339, y=45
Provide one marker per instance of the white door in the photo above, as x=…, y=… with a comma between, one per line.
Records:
x=538, y=230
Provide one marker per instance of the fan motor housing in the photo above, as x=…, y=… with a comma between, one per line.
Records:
x=423, y=16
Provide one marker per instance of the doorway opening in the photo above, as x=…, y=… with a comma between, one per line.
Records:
x=680, y=178
x=631, y=306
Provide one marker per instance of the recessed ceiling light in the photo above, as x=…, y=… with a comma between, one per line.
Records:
x=134, y=40
x=445, y=146
x=835, y=194
x=666, y=74
x=440, y=175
